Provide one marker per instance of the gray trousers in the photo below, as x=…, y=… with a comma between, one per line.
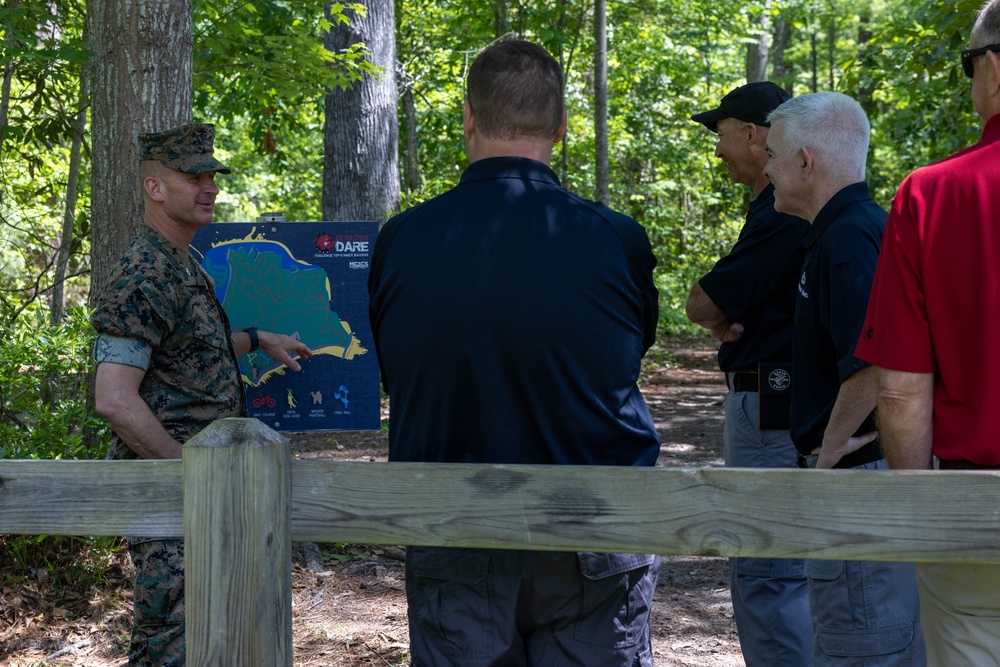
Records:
x=866, y=613
x=770, y=595
x=496, y=608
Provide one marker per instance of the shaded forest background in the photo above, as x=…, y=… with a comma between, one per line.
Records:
x=347, y=111
x=266, y=72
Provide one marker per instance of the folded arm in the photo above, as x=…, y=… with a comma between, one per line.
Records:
x=703, y=311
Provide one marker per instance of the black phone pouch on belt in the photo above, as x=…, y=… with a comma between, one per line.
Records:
x=774, y=394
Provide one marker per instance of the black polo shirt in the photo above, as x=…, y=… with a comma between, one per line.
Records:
x=755, y=285
x=841, y=250
x=510, y=317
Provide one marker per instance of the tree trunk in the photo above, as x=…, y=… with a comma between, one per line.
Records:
x=831, y=51
x=411, y=157
x=812, y=49
x=757, y=52
x=69, y=213
x=142, y=82
x=501, y=18
x=565, y=57
x=8, y=76
x=361, y=135
x=602, y=191
x=864, y=93
x=781, y=71
x=141, y=78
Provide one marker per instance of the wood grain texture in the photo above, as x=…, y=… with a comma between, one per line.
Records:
x=877, y=515
x=237, y=559
x=91, y=498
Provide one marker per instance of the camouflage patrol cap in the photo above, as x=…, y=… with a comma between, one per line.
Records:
x=187, y=148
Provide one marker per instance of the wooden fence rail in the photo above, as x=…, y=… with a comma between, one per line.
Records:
x=239, y=500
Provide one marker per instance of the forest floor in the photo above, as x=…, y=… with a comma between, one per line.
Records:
x=349, y=607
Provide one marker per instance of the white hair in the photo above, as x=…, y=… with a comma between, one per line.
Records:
x=831, y=125
x=986, y=30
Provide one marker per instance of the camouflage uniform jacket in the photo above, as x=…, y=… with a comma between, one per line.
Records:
x=160, y=297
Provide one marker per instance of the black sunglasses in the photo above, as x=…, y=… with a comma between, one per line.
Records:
x=969, y=54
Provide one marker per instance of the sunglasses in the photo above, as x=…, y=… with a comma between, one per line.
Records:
x=969, y=54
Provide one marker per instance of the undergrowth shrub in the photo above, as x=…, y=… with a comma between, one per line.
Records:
x=43, y=415
x=43, y=390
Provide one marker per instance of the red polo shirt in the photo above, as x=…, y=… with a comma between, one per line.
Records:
x=935, y=302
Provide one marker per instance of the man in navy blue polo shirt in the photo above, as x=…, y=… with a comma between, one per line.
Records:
x=747, y=301
x=510, y=317
x=863, y=612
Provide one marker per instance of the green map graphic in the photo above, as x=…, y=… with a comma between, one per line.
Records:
x=260, y=283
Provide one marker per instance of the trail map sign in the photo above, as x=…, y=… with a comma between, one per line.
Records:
x=309, y=280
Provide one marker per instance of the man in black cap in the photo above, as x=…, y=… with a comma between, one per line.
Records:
x=167, y=359
x=748, y=302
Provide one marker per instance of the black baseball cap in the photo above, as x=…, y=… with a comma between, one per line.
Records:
x=750, y=103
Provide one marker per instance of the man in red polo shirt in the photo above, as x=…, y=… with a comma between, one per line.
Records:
x=931, y=331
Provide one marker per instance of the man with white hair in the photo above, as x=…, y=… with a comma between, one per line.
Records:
x=863, y=612
x=747, y=301
x=931, y=333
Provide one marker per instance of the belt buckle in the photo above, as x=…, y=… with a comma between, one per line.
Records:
x=808, y=461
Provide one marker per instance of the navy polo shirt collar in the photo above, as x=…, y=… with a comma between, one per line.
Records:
x=852, y=194
x=509, y=167
x=765, y=197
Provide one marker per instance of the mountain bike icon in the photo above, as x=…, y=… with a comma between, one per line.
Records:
x=264, y=400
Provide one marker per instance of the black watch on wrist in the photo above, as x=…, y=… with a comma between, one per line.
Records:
x=254, y=338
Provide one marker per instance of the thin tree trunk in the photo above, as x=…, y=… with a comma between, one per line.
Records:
x=8, y=77
x=864, y=95
x=501, y=18
x=757, y=52
x=831, y=50
x=566, y=64
x=602, y=192
x=782, y=71
x=812, y=47
x=69, y=214
x=411, y=158
x=361, y=134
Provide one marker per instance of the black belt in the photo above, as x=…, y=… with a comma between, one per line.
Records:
x=962, y=464
x=742, y=381
x=868, y=454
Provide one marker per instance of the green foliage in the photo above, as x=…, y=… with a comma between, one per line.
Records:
x=261, y=72
x=83, y=562
x=921, y=107
x=43, y=376
x=44, y=54
x=341, y=552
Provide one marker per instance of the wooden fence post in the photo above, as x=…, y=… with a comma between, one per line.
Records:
x=237, y=533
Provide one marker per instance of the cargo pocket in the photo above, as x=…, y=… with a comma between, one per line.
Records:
x=824, y=570
x=617, y=596
x=860, y=643
x=843, y=605
x=450, y=601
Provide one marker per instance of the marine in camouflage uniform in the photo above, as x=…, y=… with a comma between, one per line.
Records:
x=159, y=313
